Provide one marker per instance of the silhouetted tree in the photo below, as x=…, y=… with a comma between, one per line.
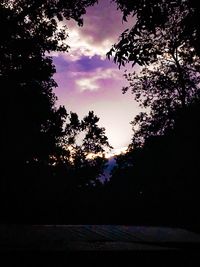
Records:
x=86, y=144
x=170, y=78
x=160, y=171
x=151, y=17
x=158, y=183
x=31, y=124
x=164, y=87
x=29, y=30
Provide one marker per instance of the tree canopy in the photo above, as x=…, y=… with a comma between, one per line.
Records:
x=152, y=17
x=167, y=85
x=160, y=170
x=34, y=138
x=85, y=145
x=167, y=52
x=30, y=30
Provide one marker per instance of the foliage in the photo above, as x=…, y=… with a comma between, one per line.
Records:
x=169, y=79
x=160, y=172
x=29, y=30
x=151, y=17
x=33, y=136
x=86, y=144
x=167, y=86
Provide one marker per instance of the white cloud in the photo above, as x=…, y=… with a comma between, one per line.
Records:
x=101, y=29
x=91, y=81
x=87, y=84
x=117, y=151
x=83, y=45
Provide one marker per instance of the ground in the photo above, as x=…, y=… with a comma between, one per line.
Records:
x=95, y=238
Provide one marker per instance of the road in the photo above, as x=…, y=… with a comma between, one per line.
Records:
x=95, y=238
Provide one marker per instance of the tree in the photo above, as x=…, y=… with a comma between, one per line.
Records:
x=31, y=124
x=85, y=143
x=169, y=80
x=168, y=86
x=29, y=30
x=162, y=161
x=152, y=17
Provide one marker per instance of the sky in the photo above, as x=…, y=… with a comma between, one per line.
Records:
x=87, y=80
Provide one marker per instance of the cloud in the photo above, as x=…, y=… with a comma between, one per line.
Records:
x=102, y=27
x=87, y=84
x=92, y=81
x=82, y=44
x=84, y=64
x=88, y=81
x=88, y=64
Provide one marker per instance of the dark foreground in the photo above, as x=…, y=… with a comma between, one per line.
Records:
x=94, y=238
x=86, y=242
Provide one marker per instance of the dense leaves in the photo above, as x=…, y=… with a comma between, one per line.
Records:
x=151, y=17
x=85, y=144
x=29, y=30
x=159, y=174
x=36, y=135
x=163, y=88
x=169, y=80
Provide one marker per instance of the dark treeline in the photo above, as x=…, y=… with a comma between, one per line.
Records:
x=48, y=174
x=46, y=152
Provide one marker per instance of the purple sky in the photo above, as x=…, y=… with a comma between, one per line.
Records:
x=87, y=80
